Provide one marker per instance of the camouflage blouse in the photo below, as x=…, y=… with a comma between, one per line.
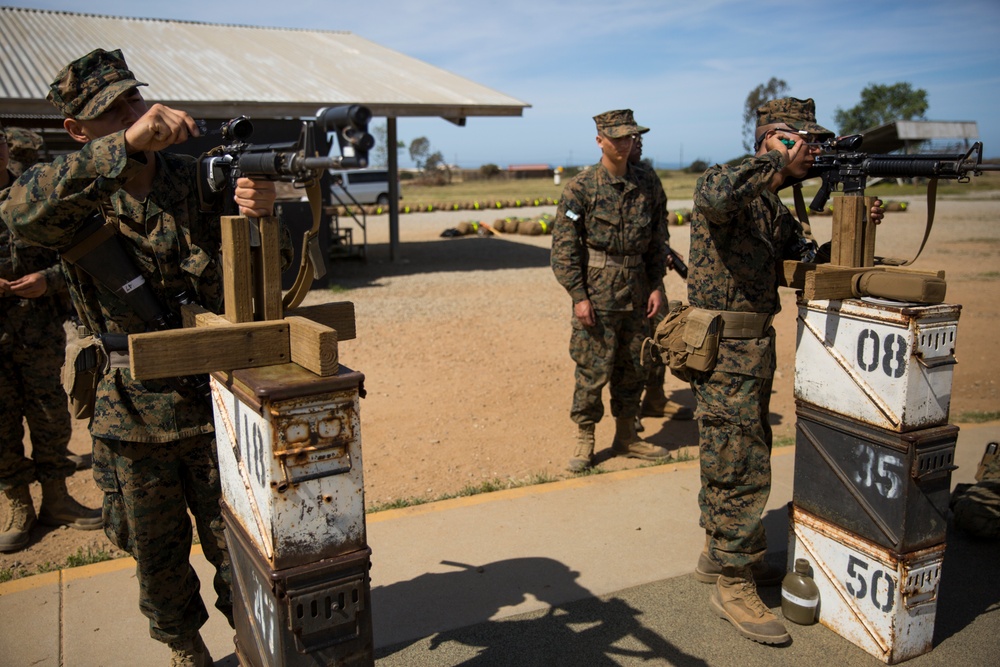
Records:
x=174, y=245
x=621, y=216
x=739, y=229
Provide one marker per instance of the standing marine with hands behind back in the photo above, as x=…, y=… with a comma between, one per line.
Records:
x=740, y=233
x=154, y=442
x=609, y=253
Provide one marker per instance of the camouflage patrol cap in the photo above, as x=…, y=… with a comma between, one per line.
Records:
x=25, y=148
x=87, y=86
x=797, y=114
x=617, y=124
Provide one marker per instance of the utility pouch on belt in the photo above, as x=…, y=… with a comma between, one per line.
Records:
x=85, y=364
x=701, y=336
x=686, y=341
x=909, y=287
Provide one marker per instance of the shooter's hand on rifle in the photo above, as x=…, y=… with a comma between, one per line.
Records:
x=255, y=197
x=877, y=212
x=159, y=128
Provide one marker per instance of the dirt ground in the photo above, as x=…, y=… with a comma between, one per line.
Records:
x=464, y=346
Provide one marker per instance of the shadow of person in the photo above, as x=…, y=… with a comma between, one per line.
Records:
x=457, y=607
x=965, y=594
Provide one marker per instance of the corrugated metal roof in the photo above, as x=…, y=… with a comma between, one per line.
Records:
x=893, y=136
x=214, y=69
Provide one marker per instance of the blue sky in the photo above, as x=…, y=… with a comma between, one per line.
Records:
x=684, y=67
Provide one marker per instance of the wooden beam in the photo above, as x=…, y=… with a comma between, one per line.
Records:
x=237, y=268
x=267, y=265
x=338, y=315
x=828, y=281
x=313, y=346
x=178, y=352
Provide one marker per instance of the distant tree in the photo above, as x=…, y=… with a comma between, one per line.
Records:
x=880, y=105
x=436, y=170
x=765, y=92
x=419, y=149
x=380, y=156
x=697, y=167
x=489, y=170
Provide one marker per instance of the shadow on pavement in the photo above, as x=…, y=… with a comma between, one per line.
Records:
x=599, y=631
x=468, y=253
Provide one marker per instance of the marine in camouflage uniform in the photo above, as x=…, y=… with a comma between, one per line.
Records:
x=154, y=447
x=740, y=232
x=33, y=307
x=976, y=507
x=608, y=252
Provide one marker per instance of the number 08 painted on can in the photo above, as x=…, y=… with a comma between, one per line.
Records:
x=890, y=355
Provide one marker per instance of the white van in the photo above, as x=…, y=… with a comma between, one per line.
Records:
x=367, y=186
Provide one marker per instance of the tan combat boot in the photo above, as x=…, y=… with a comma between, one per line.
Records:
x=189, y=653
x=627, y=442
x=764, y=574
x=735, y=599
x=59, y=508
x=20, y=517
x=583, y=456
x=656, y=404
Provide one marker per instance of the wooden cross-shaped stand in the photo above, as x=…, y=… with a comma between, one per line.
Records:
x=852, y=251
x=254, y=331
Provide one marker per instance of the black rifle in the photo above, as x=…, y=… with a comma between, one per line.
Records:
x=677, y=264
x=843, y=167
x=294, y=162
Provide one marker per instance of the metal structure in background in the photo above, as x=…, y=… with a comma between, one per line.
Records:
x=196, y=67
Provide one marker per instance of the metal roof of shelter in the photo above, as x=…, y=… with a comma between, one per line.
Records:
x=903, y=133
x=215, y=71
x=221, y=71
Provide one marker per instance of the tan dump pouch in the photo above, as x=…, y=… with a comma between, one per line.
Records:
x=701, y=335
x=85, y=362
x=908, y=287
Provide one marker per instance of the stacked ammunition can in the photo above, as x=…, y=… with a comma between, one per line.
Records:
x=873, y=461
x=289, y=448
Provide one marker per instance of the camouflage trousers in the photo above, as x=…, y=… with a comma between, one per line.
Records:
x=31, y=356
x=148, y=490
x=610, y=352
x=977, y=508
x=734, y=437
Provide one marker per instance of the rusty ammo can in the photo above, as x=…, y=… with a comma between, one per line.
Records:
x=289, y=448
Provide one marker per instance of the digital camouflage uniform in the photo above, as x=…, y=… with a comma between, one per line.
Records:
x=739, y=229
x=32, y=350
x=154, y=448
x=620, y=216
x=976, y=508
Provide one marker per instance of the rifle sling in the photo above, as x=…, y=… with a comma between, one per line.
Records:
x=931, y=202
x=801, y=212
x=303, y=281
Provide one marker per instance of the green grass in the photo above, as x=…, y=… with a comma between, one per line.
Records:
x=784, y=441
x=75, y=560
x=486, y=486
x=679, y=185
x=978, y=417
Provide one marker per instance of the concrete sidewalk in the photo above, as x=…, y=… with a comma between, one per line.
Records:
x=589, y=571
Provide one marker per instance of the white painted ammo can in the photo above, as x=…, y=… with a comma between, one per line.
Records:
x=289, y=448
x=883, y=602
x=881, y=362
